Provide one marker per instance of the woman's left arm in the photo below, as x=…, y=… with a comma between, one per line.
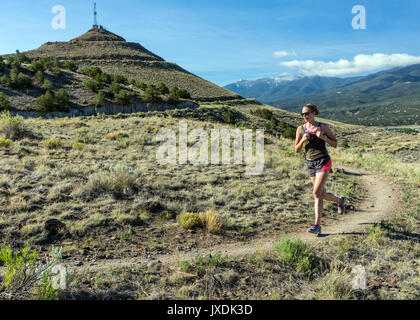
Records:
x=327, y=136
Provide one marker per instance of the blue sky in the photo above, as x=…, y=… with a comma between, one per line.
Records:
x=224, y=41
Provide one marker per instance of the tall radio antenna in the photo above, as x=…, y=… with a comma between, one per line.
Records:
x=95, y=22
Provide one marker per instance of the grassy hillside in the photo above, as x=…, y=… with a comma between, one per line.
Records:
x=99, y=178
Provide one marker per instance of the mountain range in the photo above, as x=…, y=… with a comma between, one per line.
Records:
x=390, y=97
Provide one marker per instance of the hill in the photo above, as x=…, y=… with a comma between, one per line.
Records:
x=104, y=49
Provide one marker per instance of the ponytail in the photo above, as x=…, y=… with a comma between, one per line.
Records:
x=313, y=108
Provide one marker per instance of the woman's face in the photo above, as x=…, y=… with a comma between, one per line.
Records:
x=308, y=114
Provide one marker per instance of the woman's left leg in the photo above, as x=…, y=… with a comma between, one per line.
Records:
x=319, y=188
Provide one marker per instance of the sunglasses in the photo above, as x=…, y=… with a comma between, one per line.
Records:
x=306, y=113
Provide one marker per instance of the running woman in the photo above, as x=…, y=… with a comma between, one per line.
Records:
x=313, y=136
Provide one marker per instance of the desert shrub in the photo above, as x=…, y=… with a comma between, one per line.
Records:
x=297, y=255
x=5, y=81
x=229, y=116
x=39, y=77
x=141, y=85
x=119, y=182
x=115, y=88
x=211, y=221
x=36, y=66
x=99, y=99
x=104, y=78
x=290, y=132
x=70, y=65
x=179, y=93
x=53, y=143
x=47, y=63
x=114, y=135
x=47, y=85
x=5, y=143
x=57, y=71
x=189, y=220
x=78, y=145
x=162, y=88
x=262, y=113
x=12, y=127
x=92, y=71
x=23, y=272
x=62, y=99
x=93, y=85
x=151, y=94
x=19, y=81
x=122, y=97
x=118, y=78
x=85, y=136
x=46, y=102
x=4, y=102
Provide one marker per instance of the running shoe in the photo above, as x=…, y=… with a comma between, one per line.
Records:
x=315, y=229
x=342, y=206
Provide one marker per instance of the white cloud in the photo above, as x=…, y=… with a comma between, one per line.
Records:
x=281, y=54
x=360, y=64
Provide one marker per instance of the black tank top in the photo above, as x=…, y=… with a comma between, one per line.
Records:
x=315, y=148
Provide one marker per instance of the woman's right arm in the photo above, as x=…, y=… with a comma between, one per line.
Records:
x=300, y=140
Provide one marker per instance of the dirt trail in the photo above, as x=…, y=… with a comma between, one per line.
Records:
x=380, y=202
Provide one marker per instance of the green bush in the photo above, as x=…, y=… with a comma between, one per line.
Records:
x=118, y=78
x=92, y=72
x=57, y=71
x=115, y=88
x=12, y=127
x=19, y=81
x=103, y=78
x=190, y=220
x=122, y=97
x=53, y=143
x=99, y=99
x=297, y=255
x=46, y=102
x=93, y=85
x=162, y=89
x=290, y=132
x=262, y=113
x=5, y=81
x=151, y=94
x=141, y=85
x=70, y=65
x=229, y=116
x=39, y=77
x=62, y=99
x=5, y=142
x=23, y=273
x=4, y=102
x=47, y=85
x=36, y=66
x=179, y=94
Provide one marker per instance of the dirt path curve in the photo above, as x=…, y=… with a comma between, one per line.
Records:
x=380, y=202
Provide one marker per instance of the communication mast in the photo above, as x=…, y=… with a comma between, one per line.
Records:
x=95, y=22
